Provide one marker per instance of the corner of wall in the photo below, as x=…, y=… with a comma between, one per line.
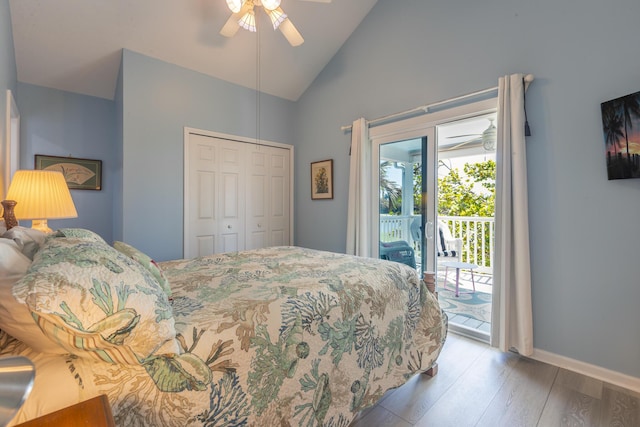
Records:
x=118, y=148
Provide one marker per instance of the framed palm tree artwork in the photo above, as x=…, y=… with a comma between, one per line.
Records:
x=322, y=180
x=621, y=131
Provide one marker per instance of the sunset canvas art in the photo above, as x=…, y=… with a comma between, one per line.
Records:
x=621, y=131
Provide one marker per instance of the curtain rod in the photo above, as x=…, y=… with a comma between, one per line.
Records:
x=424, y=108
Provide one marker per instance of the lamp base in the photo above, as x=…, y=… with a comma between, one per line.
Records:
x=9, y=216
x=40, y=224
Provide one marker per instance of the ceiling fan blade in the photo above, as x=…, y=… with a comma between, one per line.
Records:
x=291, y=33
x=472, y=141
x=464, y=136
x=232, y=25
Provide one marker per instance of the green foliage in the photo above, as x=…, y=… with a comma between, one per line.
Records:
x=460, y=196
x=472, y=195
x=390, y=192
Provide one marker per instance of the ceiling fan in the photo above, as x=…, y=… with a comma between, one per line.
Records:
x=243, y=15
x=487, y=138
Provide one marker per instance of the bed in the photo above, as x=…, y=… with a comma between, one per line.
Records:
x=275, y=336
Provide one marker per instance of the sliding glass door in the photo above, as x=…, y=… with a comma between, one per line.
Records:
x=405, y=172
x=433, y=210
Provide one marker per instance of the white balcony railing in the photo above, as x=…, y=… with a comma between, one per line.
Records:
x=477, y=234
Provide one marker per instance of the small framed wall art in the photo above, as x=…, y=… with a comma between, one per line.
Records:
x=621, y=131
x=322, y=180
x=80, y=174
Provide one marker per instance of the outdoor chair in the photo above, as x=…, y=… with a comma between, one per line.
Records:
x=448, y=248
x=398, y=251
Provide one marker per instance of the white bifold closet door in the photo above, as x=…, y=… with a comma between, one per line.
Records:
x=237, y=196
x=268, y=200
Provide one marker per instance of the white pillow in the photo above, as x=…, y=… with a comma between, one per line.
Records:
x=29, y=240
x=15, y=318
x=12, y=260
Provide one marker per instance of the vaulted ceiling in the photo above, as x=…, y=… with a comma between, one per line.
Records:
x=75, y=45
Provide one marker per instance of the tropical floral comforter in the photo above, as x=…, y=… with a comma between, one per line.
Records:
x=276, y=336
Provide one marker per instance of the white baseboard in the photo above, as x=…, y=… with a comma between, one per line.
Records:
x=593, y=371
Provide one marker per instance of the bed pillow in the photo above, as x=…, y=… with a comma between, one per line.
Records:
x=28, y=239
x=12, y=260
x=15, y=318
x=80, y=233
x=95, y=302
x=146, y=261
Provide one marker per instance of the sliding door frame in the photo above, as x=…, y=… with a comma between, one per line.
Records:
x=413, y=128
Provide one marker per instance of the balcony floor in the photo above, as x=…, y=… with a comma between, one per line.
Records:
x=470, y=312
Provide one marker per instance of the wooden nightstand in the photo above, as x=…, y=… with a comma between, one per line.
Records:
x=94, y=412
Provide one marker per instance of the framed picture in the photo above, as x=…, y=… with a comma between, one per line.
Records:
x=621, y=131
x=322, y=180
x=80, y=174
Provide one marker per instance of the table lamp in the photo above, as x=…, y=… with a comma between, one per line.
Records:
x=16, y=380
x=38, y=195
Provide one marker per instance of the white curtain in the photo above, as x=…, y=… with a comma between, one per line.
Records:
x=512, y=320
x=359, y=215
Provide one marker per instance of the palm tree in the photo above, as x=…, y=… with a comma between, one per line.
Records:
x=612, y=125
x=389, y=189
x=630, y=108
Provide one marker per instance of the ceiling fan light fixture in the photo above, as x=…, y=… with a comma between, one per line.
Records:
x=235, y=5
x=248, y=21
x=276, y=15
x=489, y=137
x=270, y=4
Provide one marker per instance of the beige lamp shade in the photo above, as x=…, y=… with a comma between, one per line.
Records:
x=41, y=195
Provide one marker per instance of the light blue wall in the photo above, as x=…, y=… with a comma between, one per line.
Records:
x=8, y=79
x=60, y=123
x=159, y=100
x=585, y=231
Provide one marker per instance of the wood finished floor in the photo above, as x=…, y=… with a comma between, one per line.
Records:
x=477, y=385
